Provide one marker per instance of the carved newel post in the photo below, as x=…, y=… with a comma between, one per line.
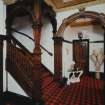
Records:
x=37, y=94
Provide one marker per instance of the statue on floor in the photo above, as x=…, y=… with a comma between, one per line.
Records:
x=74, y=74
x=98, y=59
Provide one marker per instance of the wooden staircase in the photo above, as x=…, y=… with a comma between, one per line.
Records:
x=26, y=67
x=19, y=63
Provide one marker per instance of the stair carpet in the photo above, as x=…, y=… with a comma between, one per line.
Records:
x=88, y=92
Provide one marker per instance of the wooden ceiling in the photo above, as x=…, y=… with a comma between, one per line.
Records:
x=60, y=5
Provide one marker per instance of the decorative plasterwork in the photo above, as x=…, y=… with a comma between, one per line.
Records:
x=60, y=5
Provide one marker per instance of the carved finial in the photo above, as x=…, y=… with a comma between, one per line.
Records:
x=81, y=9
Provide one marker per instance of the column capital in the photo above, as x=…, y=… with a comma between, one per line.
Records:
x=37, y=24
x=56, y=38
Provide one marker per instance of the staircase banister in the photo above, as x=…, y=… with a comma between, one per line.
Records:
x=20, y=45
x=51, y=54
x=21, y=33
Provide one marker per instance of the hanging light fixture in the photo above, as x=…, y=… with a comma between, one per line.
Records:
x=80, y=35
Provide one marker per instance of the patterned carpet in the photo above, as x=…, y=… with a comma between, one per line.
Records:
x=88, y=92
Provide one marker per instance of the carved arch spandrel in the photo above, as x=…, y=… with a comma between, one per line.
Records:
x=83, y=14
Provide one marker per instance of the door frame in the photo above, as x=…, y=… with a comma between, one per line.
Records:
x=99, y=17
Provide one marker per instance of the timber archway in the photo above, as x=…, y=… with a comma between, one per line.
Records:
x=83, y=14
x=99, y=17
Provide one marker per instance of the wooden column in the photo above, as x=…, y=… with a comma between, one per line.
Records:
x=104, y=64
x=58, y=58
x=37, y=52
x=103, y=27
x=104, y=52
x=1, y=66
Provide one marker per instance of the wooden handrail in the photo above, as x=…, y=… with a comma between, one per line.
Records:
x=20, y=45
x=51, y=54
x=22, y=33
x=5, y=37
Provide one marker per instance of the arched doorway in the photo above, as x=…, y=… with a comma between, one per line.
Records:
x=100, y=18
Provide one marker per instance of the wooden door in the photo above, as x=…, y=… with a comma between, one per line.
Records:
x=81, y=54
